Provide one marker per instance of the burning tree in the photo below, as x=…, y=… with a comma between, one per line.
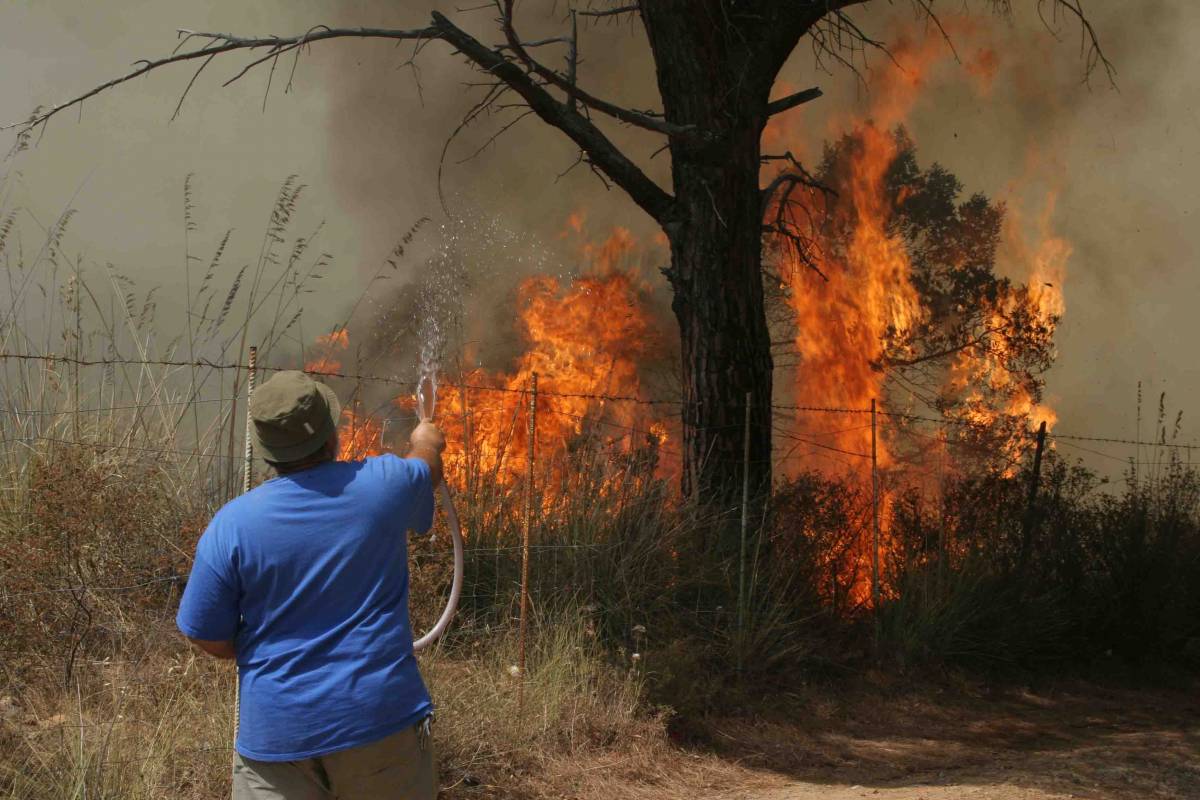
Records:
x=716, y=64
x=900, y=300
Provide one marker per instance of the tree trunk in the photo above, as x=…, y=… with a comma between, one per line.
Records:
x=718, y=300
x=716, y=84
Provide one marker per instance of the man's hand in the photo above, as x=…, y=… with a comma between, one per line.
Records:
x=427, y=434
x=427, y=444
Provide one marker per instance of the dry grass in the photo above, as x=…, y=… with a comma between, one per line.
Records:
x=158, y=723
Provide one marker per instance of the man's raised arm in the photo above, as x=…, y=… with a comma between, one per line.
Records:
x=427, y=444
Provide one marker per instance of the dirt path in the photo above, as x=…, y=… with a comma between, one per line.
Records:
x=991, y=792
x=1078, y=742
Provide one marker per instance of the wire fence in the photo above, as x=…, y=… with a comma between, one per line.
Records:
x=801, y=443
x=591, y=451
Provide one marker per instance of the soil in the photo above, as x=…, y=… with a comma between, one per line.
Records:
x=1078, y=741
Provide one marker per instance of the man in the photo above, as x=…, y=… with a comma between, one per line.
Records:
x=304, y=580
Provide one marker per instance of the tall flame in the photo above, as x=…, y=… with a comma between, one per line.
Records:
x=855, y=302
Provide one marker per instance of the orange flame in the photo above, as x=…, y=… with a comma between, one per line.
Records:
x=327, y=347
x=857, y=301
x=586, y=339
x=359, y=436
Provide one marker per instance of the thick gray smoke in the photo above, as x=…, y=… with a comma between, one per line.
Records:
x=368, y=140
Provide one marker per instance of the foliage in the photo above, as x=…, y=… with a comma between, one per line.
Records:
x=979, y=344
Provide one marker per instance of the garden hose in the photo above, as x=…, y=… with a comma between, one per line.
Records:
x=443, y=622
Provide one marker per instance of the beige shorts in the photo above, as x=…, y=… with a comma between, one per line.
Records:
x=400, y=767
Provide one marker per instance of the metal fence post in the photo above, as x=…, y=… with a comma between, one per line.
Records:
x=874, y=524
x=524, y=613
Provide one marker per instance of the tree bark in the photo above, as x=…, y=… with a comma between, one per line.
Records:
x=713, y=82
x=718, y=301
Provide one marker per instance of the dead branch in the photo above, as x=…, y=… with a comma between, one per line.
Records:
x=612, y=12
x=602, y=154
x=836, y=36
x=560, y=82
x=219, y=43
x=793, y=100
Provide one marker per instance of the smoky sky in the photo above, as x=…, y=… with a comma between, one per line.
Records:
x=366, y=131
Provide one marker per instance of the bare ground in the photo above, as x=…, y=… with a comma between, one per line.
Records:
x=1078, y=741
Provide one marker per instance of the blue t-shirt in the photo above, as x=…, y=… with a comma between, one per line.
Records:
x=308, y=575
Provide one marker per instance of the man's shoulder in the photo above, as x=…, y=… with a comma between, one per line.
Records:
x=393, y=464
x=396, y=472
x=244, y=505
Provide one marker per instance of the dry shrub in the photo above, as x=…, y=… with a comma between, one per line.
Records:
x=102, y=698
x=155, y=723
x=159, y=722
x=96, y=537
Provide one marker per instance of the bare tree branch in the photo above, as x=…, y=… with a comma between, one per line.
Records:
x=611, y=12
x=1089, y=40
x=601, y=152
x=793, y=100
x=634, y=118
x=186, y=89
x=220, y=43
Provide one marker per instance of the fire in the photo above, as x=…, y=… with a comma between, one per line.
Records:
x=857, y=308
x=856, y=305
x=1039, y=304
x=866, y=300
x=359, y=436
x=328, y=347
x=586, y=339
x=863, y=299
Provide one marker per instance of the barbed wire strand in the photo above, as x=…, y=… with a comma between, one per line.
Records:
x=549, y=393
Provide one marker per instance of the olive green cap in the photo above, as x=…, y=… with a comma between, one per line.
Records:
x=293, y=416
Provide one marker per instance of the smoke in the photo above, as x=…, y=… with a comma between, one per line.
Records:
x=1013, y=120
x=1114, y=159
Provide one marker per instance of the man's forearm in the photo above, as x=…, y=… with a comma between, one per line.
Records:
x=213, y=648
x=431, y=456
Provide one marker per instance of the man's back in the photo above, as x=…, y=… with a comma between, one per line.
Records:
x=314, y=564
